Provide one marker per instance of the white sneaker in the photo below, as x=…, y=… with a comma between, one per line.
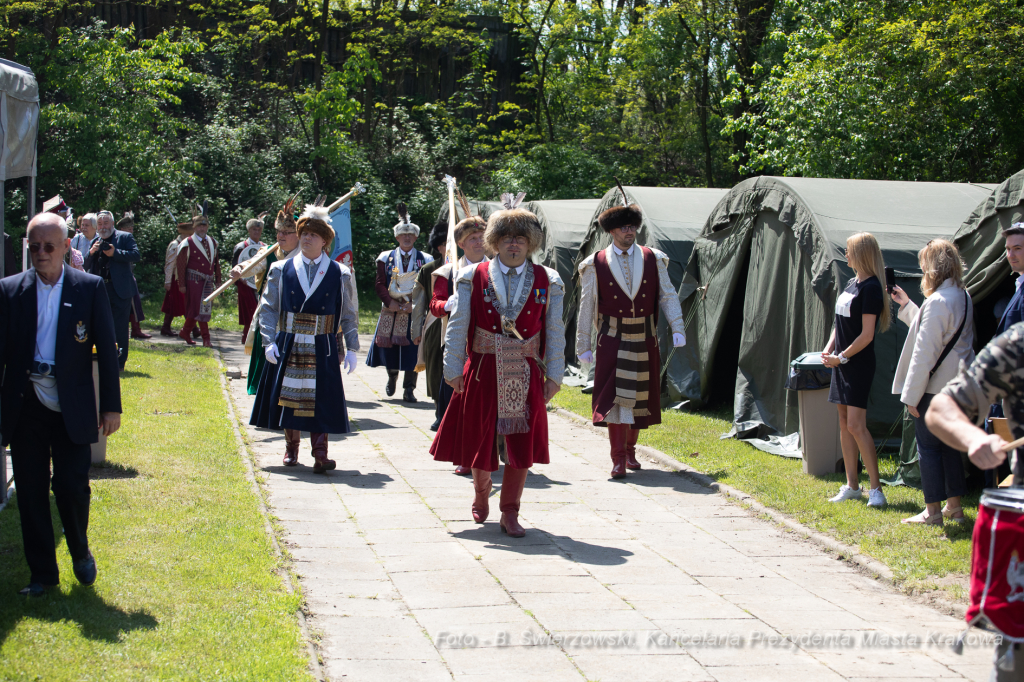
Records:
x=846, y=493
x=876, y=498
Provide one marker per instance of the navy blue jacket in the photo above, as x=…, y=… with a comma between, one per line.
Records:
x=126, y=252
x=84, y=320
x=1014, y=312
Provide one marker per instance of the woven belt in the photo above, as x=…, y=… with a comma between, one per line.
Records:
x=486, y=342
x=307, y=324
x=197, y=276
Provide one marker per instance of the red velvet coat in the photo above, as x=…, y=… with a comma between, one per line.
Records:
x=466, y=435
x=612, y=301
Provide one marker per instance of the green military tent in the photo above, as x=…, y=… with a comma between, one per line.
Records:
x=565, y=223
x=673, y=217
x=765, y=273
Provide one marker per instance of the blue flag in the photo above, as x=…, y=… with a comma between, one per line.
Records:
x=341, y=221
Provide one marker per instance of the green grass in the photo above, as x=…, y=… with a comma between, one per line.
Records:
x=924, y=557
x=187, y=586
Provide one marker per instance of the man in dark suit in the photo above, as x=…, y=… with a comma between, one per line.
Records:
x=110, y=258
x=51, y=317
x=1014, y=313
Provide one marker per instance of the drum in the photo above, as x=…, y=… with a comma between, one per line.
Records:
x=997, y=564
x=402, y=285
x=247, y=253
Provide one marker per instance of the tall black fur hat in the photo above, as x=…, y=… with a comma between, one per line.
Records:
x=620, y=216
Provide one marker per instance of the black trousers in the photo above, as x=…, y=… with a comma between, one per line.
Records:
x=40, y=436
x=444, y=397
x=410, y=378
x=122, y=310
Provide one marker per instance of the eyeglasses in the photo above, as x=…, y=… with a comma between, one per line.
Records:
x=47, y=247
x=508, y=241
x=629, y=228
x=281, y=232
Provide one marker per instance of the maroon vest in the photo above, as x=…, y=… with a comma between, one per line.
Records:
x=196, y=258
x=531, y=319
x=612, y=301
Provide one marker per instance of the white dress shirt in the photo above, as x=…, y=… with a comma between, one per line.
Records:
x=311, y=271
x=506, y=268
x=47, y=312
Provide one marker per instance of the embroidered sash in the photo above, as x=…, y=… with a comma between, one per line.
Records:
x=513, y=375
x=632, y=366
x=298, y=388
x=208, y=288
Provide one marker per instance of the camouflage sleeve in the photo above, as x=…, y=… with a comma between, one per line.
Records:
x=996, y=373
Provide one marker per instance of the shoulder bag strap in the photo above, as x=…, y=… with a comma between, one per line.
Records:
x=952, y=341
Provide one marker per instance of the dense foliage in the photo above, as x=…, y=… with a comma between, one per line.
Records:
x=247, y=102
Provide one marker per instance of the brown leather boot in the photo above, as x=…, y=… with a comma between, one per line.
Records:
x=186, y=332
x=166, y=330
x=291, y=447
x=204, y=329
x=617, y=438
x=137, y=332
x=512, y=483
x=321, y=465
x=631, y=437
x=482, y=486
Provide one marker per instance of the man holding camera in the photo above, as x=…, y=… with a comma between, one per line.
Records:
x=110, y=258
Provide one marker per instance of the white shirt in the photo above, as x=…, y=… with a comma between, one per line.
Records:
x=47, y=312
x=506, y=268
x=1020, y=280
x=619, y=251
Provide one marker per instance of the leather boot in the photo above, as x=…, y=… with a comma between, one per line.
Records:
x=291, y=447
x=321, y=464
x=204, y=329
x=617, y=438
x=482, y=486
x=186, y=332
x=631, y=437
x=137, y=332
x=392, y=384
x=512, y=483
x=462, y=471
x=166, y=330
x=195, y=333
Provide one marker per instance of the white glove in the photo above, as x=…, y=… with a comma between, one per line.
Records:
x=449, y=304
x=678, y=340
x=350, y=361
x=272, y=353
x=587, y=356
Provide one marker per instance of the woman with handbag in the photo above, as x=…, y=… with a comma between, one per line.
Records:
x=851, y=355
x=941, y=336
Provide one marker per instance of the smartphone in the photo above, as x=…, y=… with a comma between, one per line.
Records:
x=890, y=280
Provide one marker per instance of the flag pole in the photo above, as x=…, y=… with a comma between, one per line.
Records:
x=451, y=252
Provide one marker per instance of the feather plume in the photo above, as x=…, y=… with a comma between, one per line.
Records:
x=130, y=215
x=510, y=202
x=403, y=212
x=464, y=203
x=263, y=215
x=289, y=206
x=206, y=207
x=625, y=199
x=315, y=212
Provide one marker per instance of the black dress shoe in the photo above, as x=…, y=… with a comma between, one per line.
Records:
x=35, y=590
x=408, y=396
x=392, y=385
x=436, y=425
x=85, y=570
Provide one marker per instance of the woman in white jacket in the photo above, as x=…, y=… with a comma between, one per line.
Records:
x=922, y=371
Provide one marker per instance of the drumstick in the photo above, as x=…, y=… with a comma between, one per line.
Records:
x=1013, y=446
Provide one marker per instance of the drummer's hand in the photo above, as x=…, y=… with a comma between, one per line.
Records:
x=913, y=411
x=393, y=306
x=550, y=389
x=899, y=296
x=986, y=451
x=406, y=307
x=456, y=384
x=236, y=273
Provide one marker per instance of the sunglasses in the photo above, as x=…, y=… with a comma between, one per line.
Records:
x=47, y=247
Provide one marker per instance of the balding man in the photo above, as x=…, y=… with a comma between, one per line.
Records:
x=51, y=318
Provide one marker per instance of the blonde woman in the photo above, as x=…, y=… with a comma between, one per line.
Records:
x=944, y=320
x=850, y=353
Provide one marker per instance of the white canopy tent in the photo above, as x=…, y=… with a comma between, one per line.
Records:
x=19, y=125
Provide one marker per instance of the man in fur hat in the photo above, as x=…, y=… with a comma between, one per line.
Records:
x=469, y=235
x=622, y=288
x=243, y=251
x=506, y=319
x=198, y=273
x=288, y=244
x=174, y=302
x=308, y=317
x=396, y=340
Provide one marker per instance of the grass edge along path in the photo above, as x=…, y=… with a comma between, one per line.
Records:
x=189, y=585
x=921, y=558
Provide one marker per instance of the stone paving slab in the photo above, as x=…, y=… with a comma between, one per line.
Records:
x=654, y=578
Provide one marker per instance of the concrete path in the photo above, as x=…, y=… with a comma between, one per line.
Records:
x=656, y=578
